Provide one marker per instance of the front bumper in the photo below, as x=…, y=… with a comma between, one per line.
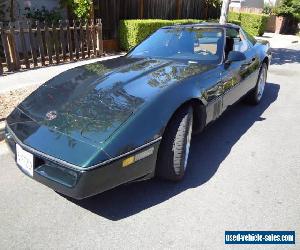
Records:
x=79, y=183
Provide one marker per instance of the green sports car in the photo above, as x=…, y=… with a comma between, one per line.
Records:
x=103, y=124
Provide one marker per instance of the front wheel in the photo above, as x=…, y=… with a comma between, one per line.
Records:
x=174, y=149
x=254, y=97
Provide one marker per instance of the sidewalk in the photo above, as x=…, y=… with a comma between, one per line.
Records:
x=280, y=41
x=38, y=76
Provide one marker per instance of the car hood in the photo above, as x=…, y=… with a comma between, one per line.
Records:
x=90, y=102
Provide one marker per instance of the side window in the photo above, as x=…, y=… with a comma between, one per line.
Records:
x=240, y=43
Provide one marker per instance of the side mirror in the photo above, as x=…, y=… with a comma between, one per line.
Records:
x=235, y=56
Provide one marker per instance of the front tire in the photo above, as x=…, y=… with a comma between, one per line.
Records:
x=174, y=149
x=256, y=94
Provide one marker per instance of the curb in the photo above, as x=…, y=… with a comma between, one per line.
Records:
x=2, y=127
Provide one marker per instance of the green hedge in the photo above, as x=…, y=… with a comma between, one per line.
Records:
x=132, y=32
x=254, y=24
x=237, y=22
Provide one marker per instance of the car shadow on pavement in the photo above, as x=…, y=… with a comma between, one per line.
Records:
x=281, y=56
x=208, y=151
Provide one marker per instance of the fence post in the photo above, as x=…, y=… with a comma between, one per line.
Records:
x=76, y=40
x=69, y=40
x=23, y=45
x=99, y=37
x=62, y=40
x=32, y=43
x=12, y=47
x=88, y=40
x=55, y=42
x=48, y=42
x=81, y=39
x=94, y=39
x=40, y=42
x=5, y=47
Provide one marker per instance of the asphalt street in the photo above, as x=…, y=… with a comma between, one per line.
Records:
x=243, y=174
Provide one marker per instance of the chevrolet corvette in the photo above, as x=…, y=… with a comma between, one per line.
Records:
x=97, y=126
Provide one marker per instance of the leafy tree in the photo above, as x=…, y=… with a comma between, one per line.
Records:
x=289, y=8
x=211, y=3
x=81, y=8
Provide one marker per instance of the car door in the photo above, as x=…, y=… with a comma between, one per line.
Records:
x=237, y=76
x=249, y=69
x=214, y=91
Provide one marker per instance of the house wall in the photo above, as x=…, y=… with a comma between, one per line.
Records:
x=19, y=7
x=259, y=4
x=235, y=4
x=38, y=4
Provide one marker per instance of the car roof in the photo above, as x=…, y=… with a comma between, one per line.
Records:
x=203, y=24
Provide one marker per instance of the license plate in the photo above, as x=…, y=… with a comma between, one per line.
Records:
x=24, y=160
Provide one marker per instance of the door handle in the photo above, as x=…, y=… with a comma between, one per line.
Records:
x=249, y=62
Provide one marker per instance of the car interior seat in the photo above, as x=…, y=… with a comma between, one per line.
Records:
x=229, y=45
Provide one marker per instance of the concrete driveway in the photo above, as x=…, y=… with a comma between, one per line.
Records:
x=243, y=174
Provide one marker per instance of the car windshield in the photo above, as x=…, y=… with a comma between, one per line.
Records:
x=204, y=45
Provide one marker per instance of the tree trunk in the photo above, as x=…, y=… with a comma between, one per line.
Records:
x=224, y=11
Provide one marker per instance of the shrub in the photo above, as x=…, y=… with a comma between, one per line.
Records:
x=237, y=22
x=254, y=24
x=234, y=16
x=132, y=32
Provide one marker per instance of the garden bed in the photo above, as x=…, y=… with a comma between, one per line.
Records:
x=9, y=100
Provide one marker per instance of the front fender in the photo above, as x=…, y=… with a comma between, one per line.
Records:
x=149, y=122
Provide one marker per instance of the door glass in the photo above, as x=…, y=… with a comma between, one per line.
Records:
x=240, y=43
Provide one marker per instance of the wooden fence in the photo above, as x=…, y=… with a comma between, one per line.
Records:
x=112, y=11
x=25, y=45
